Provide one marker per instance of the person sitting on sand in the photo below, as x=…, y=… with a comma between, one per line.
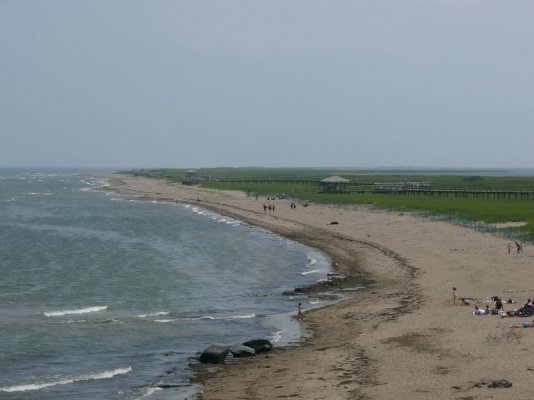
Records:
x=526, y=310
x=479, y=311
x=499, y=307
x=525, y=324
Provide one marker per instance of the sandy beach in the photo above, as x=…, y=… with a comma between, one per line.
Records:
x=401, y=337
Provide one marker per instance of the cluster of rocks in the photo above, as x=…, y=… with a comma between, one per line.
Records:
x=217, y=354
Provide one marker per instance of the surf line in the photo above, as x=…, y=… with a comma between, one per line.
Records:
x=81, y=378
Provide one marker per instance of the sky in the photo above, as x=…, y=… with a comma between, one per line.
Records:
x=287, y=83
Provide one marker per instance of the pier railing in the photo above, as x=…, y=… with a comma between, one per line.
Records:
x=400, y=189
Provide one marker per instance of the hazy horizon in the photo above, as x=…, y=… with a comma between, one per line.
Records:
x=179, y=84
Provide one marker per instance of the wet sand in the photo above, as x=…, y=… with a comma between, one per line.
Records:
x=401, y=337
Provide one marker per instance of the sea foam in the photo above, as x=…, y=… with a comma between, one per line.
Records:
x=66, y=381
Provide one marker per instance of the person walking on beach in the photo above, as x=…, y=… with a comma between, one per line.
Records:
x=454, y=295
x=300, y=313
x=264, y=208
x=509, y=246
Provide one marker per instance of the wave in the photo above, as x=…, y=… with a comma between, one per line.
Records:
x=165, y=321
x=79, y=311
x=311, y=261
x=230, y=317
x=37, y=194
x=313, y=271
x=78, y=321
x=156, y=314
x=241, y=316
x=66, y=381
x=148, y=392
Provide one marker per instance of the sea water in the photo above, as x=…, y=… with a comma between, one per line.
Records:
x=107, y=297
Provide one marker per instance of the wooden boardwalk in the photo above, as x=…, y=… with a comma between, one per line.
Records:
x=362, y=188
x=476, y=193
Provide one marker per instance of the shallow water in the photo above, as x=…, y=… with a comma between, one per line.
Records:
x=101, y=297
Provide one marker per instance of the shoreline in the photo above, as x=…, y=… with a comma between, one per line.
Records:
x=399, y=338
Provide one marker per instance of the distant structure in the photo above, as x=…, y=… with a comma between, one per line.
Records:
x=400, y=186
x=191, y=177
x=334, y=184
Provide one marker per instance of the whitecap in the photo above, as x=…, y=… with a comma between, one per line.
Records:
x=149, y=391
x=156, y=314
x=77, y=321
x=229, y=317
x=311, y=261
x=78, y=311
x=313, y=271
x=241, y=316
x=208, y=317
x=66, y=381
x=165, y=321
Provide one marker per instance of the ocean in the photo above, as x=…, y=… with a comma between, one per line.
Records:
x=106, y=297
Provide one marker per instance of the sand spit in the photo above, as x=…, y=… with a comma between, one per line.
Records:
x=401, y=338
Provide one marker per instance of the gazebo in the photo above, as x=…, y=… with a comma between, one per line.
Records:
x=334, y=184
x=191, y=178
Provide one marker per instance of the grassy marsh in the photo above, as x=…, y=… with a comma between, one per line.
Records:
x=270, y=181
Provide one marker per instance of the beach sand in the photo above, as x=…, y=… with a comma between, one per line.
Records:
x=401, y=337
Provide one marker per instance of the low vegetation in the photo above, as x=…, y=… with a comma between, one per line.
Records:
x=303, y=184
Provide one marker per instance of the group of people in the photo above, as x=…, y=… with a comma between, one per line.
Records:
x=269, y=207
x=498, y=309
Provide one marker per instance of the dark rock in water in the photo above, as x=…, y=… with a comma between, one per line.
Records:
x=242, y=351
x=168, y=385
x=259, y=345
x=501, y=383
x=214, y=355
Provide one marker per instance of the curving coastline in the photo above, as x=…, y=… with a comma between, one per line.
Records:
x=401, y=338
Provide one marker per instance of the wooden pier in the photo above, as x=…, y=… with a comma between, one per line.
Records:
x=475, y=193
x=362, y=188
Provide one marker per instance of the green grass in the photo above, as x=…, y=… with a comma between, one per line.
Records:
x=471, y=209
x=468, y=209
x=486, y=210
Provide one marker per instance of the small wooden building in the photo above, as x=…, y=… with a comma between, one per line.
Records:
x=334, y=184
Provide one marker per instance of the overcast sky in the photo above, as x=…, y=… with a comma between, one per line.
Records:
x=192, y=83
